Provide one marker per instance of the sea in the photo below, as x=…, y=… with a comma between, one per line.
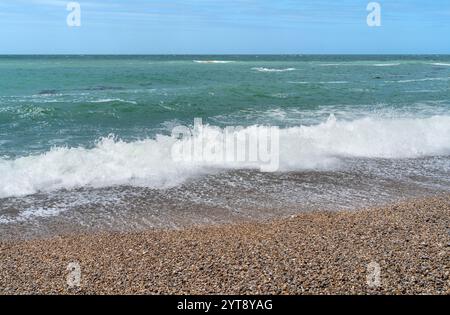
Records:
x=86, y=142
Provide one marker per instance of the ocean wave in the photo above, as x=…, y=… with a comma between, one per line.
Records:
x=149, y=162
x=420, y=80
x=331, y=64
x=261, y=69
x=441, y=64
x=111, y=100
x=320, y=82
x=213, y=61
x=359, y=64
x=386, y=64
x=424, y=91
x=39, y=212
x=27, y=111
x=105, y=88
x=48, y=92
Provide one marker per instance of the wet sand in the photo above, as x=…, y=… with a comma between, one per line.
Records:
x=309, y=253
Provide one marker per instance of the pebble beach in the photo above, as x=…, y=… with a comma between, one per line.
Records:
x=309, y=253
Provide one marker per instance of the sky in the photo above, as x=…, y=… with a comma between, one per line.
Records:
x=225, y=27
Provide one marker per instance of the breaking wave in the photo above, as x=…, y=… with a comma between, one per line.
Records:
x=260, y=69
x=148, y=162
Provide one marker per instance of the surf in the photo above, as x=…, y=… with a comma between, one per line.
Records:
x=148, y=162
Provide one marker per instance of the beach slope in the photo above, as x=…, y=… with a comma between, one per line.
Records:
x=317, y=252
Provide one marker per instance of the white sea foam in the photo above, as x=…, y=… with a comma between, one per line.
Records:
x=386, y=64
x=261, y=69
x=359, y=64
x=110, y=100
x=33, y=212
x=420, y=80
x=441, y=64
x=148, y=162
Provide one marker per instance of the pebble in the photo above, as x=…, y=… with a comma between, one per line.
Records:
x=311, y=253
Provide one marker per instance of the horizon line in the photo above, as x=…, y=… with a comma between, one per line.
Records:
x=228, y=54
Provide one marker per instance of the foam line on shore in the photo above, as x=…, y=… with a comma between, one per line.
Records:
x=148, y=162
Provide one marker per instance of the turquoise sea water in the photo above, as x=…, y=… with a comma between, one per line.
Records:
x=87, y=126
x=48, y=101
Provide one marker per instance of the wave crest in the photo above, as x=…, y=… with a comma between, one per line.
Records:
x=261, y=69
x=148, y=162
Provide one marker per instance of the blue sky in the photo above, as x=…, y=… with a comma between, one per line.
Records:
x=224, y=27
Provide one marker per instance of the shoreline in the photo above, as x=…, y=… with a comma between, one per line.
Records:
x=319, y=252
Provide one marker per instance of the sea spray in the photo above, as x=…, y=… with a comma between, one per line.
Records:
x=149, y=162
x=231, y=147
